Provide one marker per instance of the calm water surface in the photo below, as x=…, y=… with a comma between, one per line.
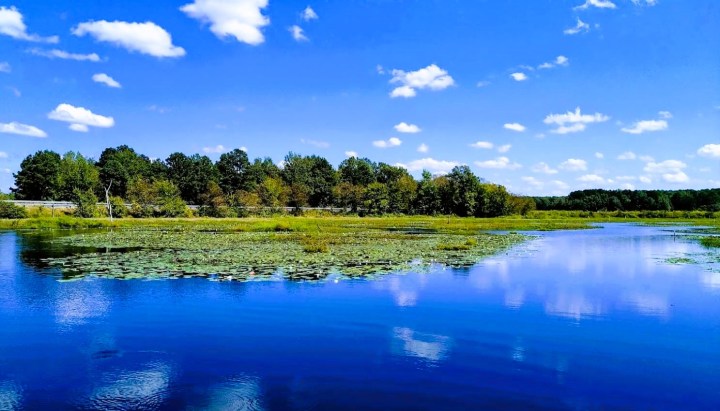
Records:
x=573, y=320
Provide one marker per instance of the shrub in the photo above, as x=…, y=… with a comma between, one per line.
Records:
x=11, y=211
x=85, y=203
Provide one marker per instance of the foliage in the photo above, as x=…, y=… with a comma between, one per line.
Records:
x=121, y=165
x=119, y=209
x=38, y=177
x=11, y=211
x=214, y=203
x=85, y=203
x=633, y=200
x=76, y=173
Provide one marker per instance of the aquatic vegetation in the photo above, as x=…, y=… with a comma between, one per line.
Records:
x=156, y=253
x=710, y=242
x=680, y=260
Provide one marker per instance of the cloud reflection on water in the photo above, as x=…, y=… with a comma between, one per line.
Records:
x=431, y=347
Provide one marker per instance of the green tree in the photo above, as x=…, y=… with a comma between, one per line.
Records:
x=38, y=177
x=356, y=171
x=76, y=173
x=233, y=171
x=85, y=203
x=191, y=175
x=464, y=187
x=377, y=199
x=427, y=200
x=120, y=165
x=272, y=192
x=214, y=203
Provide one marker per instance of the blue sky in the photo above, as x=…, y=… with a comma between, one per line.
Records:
x=543, y=96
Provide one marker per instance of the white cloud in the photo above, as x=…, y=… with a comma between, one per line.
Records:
x=403, y=91
x=315, y=143
x=709, y=150
x=591, y=178
x=391, y=142
x=242, y=19
x=80, y=128
x=532, y=181
x=625, y=178
x=103, y=78
x=628, y=155
x=483, y=83
x=645, y=2
x=514, y=127
x=676, y=177
x=504, y=148
x=11, y=24
x=645, y=179
x=3, y=154
x=665, y=114
x=601, y=4
x=351, y=154
x=146, y=38
x=599, y=155
x=218, y=149
x=407, y=128
x=297, y=33
x=21, y=129
x=670, y=170
x=500, y=163
x=430, y=164
x=581, y=26
x=431, y=77
x=308, y=14
x=573, y=122
x=646, y=126
x=423, y=148
x=543, y=168
x=573, y=164
x=64, y=55
x=559, y=61
x=5, y=67
x=519, y=76
x=483, y=145
x=80, y=118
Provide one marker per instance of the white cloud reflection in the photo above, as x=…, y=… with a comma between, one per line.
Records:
x=430, y=347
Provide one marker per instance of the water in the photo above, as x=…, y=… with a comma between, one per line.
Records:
x=573, y=320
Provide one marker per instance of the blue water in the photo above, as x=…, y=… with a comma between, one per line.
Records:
x=572, y=320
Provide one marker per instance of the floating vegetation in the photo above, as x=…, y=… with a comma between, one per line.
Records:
x=243, y=256
x=680, y=260
x=710, y=242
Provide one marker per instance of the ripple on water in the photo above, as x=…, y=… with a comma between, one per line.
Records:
x=144, y=389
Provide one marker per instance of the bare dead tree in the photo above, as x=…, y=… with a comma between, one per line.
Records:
x=107, y=200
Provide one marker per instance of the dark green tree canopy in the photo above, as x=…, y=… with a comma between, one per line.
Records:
x=38, y=178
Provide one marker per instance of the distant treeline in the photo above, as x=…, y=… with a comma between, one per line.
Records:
x=633, y=200
x=235, y=184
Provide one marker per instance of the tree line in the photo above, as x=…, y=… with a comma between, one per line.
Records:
x=633, y=200
x=235, y=184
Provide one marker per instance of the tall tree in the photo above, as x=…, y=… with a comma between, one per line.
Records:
x=38, y=177
x=191, y=175
x=120, y=165
x=76, y=173
x=357, y=171
x=233, y=171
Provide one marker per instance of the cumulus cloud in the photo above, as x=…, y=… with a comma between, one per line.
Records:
x=315, y=143
x=5, y=67
x=580, y=27
x=559, y=61
x=669, y=170
x=423, y=148
x=483, y=145
x=146, y=38
x=430, y=164
x=64, y=55
x=103, y=78
x=12, y=24
x=591, y=178
x=431, y=77
x=601, y=4
x=391, y=142
x=407, y=128
x=504, y=148
x=351, y=154
x=308, y=14
x=710, y=151
x=218, y=149
x=646, y=126
x=628, y=155
x=241, y=19
x=297, y=33
x=573, y=122
x=519, y=76
x=573, y=164
x=514, y=127
x=80, y=118
x=500, y=163
x=21, y=129
x=543, y=168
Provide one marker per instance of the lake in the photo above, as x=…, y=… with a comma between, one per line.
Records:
x=576, y=320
